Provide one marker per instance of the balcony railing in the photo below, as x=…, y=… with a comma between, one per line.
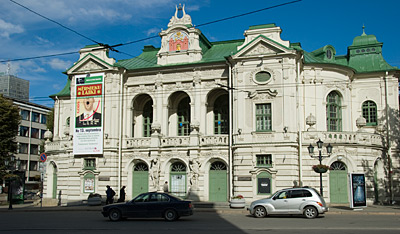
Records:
x=175, y=141
x=214, y=140
x=138, y=143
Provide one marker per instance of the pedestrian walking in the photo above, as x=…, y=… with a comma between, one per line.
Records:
x=121, y=194
x=165, y=187
x=110, y=195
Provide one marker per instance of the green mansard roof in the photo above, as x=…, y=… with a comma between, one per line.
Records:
x=212, y=52
x=364, y=55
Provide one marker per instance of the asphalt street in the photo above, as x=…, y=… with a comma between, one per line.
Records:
x=75, y=221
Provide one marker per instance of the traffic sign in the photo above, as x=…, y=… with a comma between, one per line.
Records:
x=43, y=157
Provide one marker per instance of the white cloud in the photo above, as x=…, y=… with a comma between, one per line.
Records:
x=153, y=31
x=6, y=29
x=59, y=64
x=39, y=69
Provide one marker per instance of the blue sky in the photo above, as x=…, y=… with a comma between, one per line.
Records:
x=313, y=23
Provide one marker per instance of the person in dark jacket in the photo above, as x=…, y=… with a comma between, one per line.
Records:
x=110, y=195
x=121, y=194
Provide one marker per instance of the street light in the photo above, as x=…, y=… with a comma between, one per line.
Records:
x=11, y=164
x=320, y=157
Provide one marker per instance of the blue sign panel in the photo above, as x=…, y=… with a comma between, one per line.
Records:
x=358, y=191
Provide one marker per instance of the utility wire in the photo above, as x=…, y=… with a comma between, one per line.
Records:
x=59, y=24
x=215, y=21
x=112, y=47
x=37, y=57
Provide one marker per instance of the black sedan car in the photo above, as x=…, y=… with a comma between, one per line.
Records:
x=150, y=205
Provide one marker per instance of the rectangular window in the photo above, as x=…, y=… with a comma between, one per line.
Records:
x=90, y=164
x=264, y=160
x=25, y=115
x=263, y=117
x=33, y=166
x=23, y=148
x=35, y=117
x=42, y=132
x=35, y=149
x=24, y=131
x=43, y=120
x=35, y=133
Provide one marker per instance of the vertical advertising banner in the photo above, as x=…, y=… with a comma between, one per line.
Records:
x=88, y=134
x=358, y=191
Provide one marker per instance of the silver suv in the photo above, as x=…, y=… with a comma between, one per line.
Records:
x=305, y=201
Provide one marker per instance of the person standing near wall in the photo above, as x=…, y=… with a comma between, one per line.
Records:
x=110, y=195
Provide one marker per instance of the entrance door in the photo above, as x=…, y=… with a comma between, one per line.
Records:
x=178, y=179
x=338, y=183
x=218, y=182
x=140, y=179
x=54, y=192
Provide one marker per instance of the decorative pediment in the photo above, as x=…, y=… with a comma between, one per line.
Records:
x=89, y=63
x=262, y=46
x=262, y=49
x=262, y=95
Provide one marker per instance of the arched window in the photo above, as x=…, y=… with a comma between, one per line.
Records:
x=221, y=115
x=218, y=166
x=334, y=112
x=141, y=167
x=147, y=118
x=184, y=117
x=369, y=112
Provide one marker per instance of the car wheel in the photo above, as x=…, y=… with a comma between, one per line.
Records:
x=170, y=215
x=114, y=215
x=260, y=212
x=310, y=212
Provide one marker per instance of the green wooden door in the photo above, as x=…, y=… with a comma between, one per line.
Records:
x=140, y=182
x=218, y=182
x=54, y=194
x=338, y=184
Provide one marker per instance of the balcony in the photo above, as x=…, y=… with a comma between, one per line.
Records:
x=359, y=138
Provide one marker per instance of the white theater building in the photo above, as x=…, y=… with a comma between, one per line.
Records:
x=219, y=119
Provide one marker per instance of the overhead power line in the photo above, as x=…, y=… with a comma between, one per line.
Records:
x=112, y=47
x=59, y=24
x=38, y=57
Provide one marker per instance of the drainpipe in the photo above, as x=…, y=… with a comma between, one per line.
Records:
x=230, y=144
x=120, y=131
x=29, y=145
x=300, y=137
x=388, y=139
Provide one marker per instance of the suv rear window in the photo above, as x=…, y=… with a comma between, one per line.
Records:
x=300, y=193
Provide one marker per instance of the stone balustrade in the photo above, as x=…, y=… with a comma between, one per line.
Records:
x=175, y=141
x=214, y=140
x=363, y=138
x=138, y=142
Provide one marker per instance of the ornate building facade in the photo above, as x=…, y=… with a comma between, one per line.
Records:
x=219, y=119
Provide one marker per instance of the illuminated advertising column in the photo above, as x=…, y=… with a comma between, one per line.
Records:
x=88, y=132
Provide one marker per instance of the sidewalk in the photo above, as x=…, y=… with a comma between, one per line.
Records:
x=200, y=207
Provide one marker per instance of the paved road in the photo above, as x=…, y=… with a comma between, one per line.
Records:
x=202, y=222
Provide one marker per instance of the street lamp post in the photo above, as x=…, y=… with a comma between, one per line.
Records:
x=11, y=165
x=320, y=157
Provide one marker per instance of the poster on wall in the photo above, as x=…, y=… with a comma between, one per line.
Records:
x=88, y=131
x=89, y=185
x=358, y=191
